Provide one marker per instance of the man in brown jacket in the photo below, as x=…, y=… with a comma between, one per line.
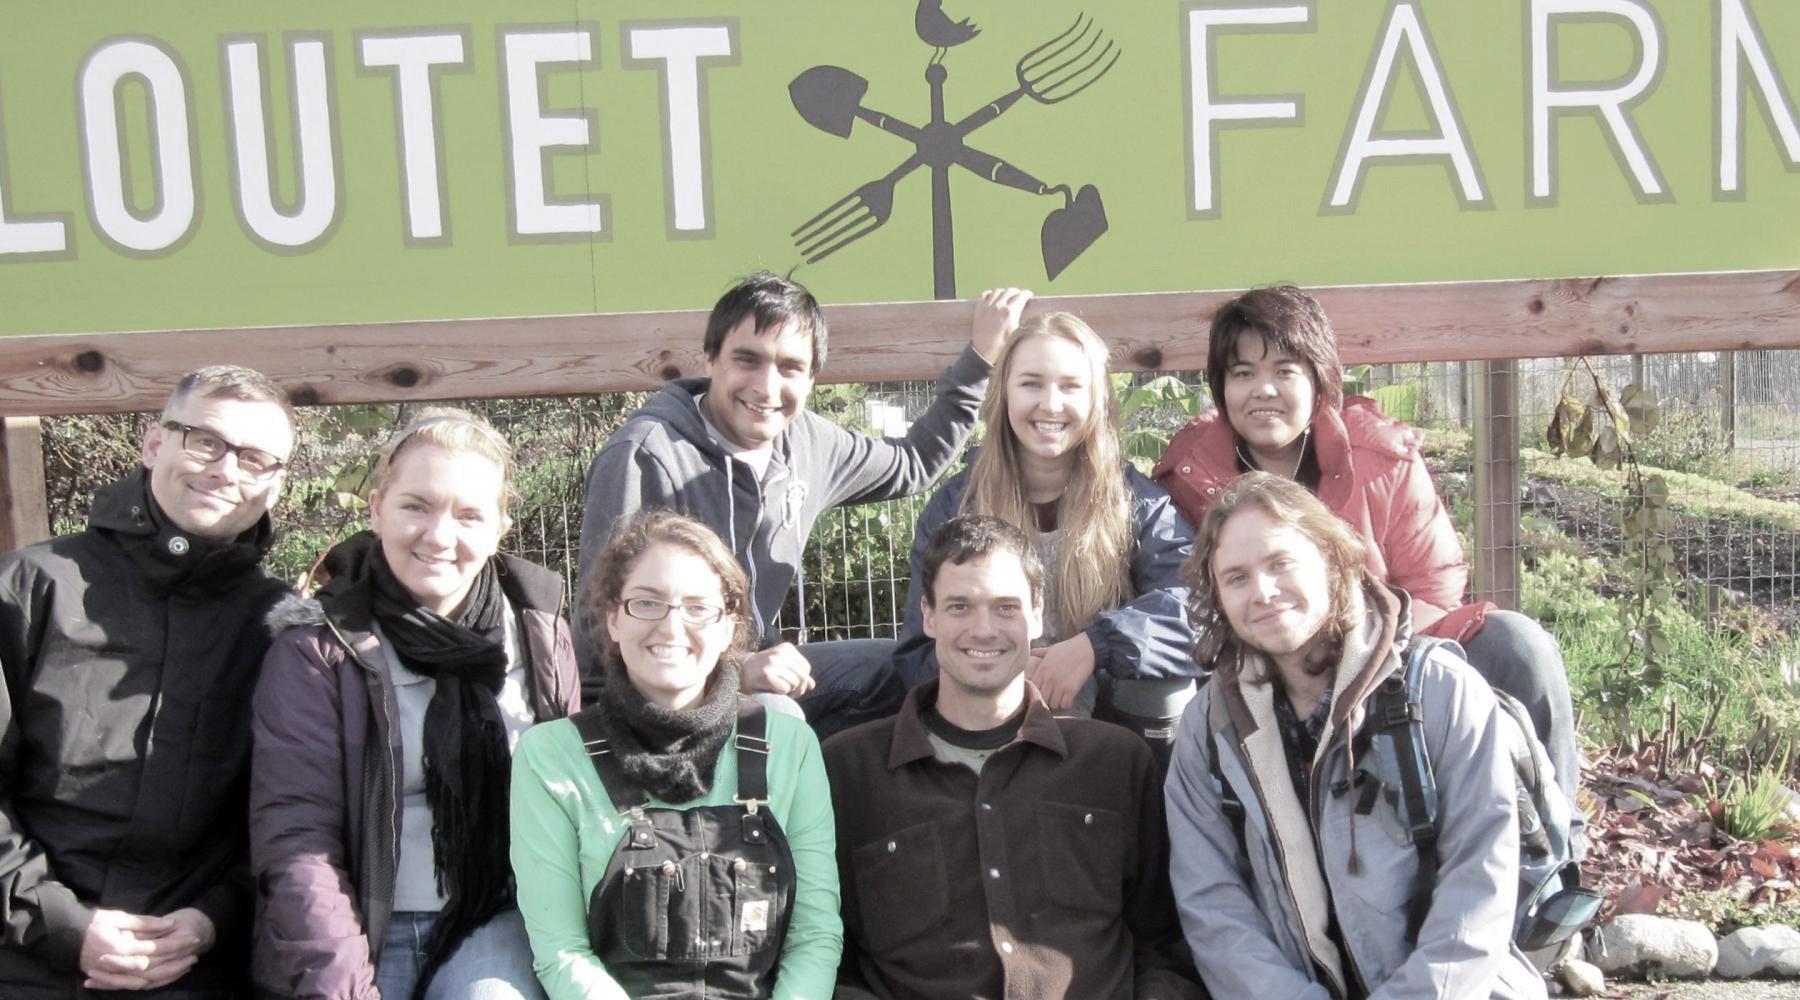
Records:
x=987, y=848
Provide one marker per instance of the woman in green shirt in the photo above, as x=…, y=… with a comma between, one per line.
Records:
x=675, y=839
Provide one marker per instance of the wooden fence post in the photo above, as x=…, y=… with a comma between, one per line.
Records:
x=1496, y=475
x=24, y=510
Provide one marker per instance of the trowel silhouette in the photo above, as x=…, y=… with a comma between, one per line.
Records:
x=1072, y=228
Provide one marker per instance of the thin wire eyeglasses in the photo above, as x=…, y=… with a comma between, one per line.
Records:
x=208, y=447
x=650, y=609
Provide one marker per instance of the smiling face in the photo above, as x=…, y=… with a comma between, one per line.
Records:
x=440, y=518
x=1049, y=397
x=1272, y=585
x=760, y=382
x=983, y=619
x=669, y=660
x=1269, y=399
x=216, y=499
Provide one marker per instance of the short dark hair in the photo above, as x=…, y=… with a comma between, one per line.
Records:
x=230, y=382
x=1285, y=502
x=1289, y=321
x=774, y=300
x=976, y=536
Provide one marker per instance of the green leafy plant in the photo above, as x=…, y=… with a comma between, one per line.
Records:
x=1750, y=808
x=1150, y=413
x=1603, y=431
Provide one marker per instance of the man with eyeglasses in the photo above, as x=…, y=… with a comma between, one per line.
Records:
x=129, y=651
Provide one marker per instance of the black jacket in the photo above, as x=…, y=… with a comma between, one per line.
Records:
x=129, y=652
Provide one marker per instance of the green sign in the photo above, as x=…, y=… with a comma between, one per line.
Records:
x=168, y=166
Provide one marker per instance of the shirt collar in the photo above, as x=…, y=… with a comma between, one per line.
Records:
x=912, y=741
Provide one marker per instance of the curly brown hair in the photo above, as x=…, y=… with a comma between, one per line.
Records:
x=1287, y=503
x=635, y=534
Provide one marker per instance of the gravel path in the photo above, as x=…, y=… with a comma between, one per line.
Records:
x=1708, y=989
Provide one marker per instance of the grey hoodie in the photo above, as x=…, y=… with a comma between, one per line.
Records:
x=665, y=456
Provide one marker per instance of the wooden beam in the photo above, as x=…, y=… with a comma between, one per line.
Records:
x=24, y=509
x=1496, y=473
x=566, y=355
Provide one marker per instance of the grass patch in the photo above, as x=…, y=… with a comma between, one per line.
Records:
x=1689, y=493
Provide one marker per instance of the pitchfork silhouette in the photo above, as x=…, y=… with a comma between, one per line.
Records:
x=830, y=99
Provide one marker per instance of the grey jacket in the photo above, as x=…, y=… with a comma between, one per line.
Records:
x=1147, y=637
x=664, y=456
x=1258, y=924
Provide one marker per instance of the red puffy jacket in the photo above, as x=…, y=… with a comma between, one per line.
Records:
x=1370, y=474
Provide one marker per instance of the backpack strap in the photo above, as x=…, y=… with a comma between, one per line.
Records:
x=1398, y=719
x=625, y=795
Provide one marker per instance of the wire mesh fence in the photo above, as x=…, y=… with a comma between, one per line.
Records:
x=1728, y=442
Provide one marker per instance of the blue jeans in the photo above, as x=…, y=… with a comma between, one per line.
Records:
x=854, y=681
x=494, y=963
x=1517, y=655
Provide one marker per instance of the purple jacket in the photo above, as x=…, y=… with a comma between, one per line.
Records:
x=325, y=786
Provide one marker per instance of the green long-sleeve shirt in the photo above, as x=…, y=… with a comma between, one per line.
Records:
x=564, y=830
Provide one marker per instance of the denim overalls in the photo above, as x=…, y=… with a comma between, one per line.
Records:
x=695, y=902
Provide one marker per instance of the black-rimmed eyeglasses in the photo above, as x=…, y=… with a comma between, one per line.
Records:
x=208, y=446
x=650, y=609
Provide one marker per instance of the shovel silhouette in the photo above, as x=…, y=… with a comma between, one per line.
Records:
x=830, y=99
x=1071, y=229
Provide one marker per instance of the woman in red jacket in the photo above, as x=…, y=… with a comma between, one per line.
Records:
x=1273, y=367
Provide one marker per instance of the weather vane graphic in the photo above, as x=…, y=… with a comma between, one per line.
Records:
x=830, y=98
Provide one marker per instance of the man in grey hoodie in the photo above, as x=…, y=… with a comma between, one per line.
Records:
x=739, y=451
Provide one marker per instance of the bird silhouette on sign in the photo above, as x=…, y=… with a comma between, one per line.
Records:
x=830, y=98
x=937, y=30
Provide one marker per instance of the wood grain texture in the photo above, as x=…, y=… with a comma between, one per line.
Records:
x=565, y=355
x=1498, y=534
x=24, y=509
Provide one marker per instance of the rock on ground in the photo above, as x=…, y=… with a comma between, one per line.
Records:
x=1579, y=979
x=1752, y=951
x=1639, y=944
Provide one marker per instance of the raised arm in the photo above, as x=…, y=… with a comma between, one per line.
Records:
x=864, y=469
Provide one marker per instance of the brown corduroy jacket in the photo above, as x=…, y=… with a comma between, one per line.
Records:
x=1046, y=875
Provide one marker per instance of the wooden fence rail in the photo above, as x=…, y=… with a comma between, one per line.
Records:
x=568, y=355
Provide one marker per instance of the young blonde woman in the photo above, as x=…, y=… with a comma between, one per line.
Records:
x=675, y=839
x=1116, y=631
x=384, y=722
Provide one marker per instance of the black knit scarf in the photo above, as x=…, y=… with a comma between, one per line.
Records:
x=468, y=765
x=668, y=752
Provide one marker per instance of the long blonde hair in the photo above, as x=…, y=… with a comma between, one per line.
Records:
x=1091, y=567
